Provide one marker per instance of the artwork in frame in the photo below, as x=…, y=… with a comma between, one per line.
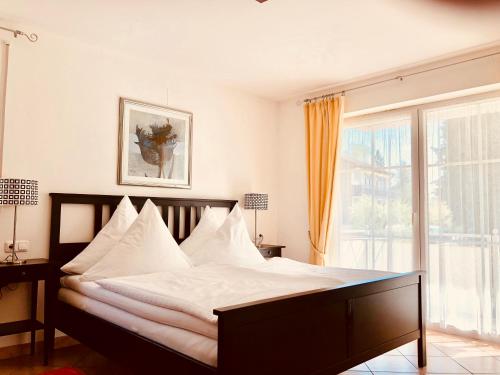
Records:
x=155, y=145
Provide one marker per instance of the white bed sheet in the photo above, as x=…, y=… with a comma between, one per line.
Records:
x=197, y=346
x=291, y=267
x=144, y=310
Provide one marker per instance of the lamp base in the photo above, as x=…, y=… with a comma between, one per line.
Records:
x=258, y=241
x=13, y=259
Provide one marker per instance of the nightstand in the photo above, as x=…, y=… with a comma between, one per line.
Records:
x=270, y=251
x=32, y=271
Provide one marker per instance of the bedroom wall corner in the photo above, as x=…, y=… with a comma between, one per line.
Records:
x=292, y=177
x=4, y=62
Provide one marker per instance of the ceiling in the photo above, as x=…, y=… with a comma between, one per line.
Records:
x=276, y=49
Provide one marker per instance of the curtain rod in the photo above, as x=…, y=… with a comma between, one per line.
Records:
x=31, y=37
x=398, y=78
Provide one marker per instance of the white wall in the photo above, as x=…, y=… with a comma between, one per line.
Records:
x=62, y=128
x=4, y=58
x=292, y=218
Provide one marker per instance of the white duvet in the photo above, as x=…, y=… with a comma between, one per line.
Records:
x=199, y=290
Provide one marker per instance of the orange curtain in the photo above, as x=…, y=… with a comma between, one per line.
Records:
x=323, y=120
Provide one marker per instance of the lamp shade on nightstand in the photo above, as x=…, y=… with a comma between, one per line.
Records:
x=17, y=192
x=256, y=201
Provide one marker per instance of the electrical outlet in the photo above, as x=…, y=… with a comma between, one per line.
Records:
x=22, y=246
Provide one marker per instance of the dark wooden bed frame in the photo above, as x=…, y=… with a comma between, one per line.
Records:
x=324, y=331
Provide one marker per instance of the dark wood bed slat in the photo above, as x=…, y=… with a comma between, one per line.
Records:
x=187, y=221
x=177, y=215
x=97, y=218
x=165, y=213
x=198, y=215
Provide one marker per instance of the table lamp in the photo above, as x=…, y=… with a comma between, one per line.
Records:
x=256, y=201
x=17, y=192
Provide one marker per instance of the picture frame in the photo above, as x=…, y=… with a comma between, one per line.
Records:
x=155, y=145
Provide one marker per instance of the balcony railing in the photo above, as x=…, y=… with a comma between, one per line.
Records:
x=359, y=249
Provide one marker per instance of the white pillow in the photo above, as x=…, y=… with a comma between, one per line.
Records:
x=147, y=247
x=230, y=244
x=206, y=228
x=124, y=215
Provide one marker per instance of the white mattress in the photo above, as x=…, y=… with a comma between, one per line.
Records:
x=197, y=346
x=144, y=310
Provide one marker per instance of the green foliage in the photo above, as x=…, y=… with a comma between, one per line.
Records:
x=381, y=216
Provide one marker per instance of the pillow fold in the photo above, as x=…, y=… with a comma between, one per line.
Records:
x=123, y=217
x=230, y=244
x=206, y=228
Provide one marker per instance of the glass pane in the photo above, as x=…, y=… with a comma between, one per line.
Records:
x=463, y=212
x=373, y=212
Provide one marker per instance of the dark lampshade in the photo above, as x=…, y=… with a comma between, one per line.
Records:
x=18, y=192
x=256, y=201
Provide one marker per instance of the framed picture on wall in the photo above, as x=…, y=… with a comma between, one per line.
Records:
x=155, y=145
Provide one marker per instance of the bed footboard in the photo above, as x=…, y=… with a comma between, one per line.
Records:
x=325, y=331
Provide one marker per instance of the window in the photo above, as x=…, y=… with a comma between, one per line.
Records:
x=420, y=188
x=463, y=215
x=373, y=228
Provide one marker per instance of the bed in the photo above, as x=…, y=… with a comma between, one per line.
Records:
x=321, y=331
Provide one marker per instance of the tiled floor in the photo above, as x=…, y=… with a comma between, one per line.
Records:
x=446, y=355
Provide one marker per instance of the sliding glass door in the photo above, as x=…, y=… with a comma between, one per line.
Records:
x=420, y=189
x=462, y=163
x=375, y=200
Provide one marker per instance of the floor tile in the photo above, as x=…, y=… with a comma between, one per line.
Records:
x=394, y=352
x=6, y=370
x=68, y=356
x=441, y=337
x=93, y=359
x=440, y=365
x=411, y=349
x=461, y=348
x=361, y=367
x=482, y=365
x=102, y=371
x=22, y=360
x=35, y=370
x=493, y=350
x=391, y=364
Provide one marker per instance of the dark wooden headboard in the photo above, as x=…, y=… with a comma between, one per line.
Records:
x=64, y=252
